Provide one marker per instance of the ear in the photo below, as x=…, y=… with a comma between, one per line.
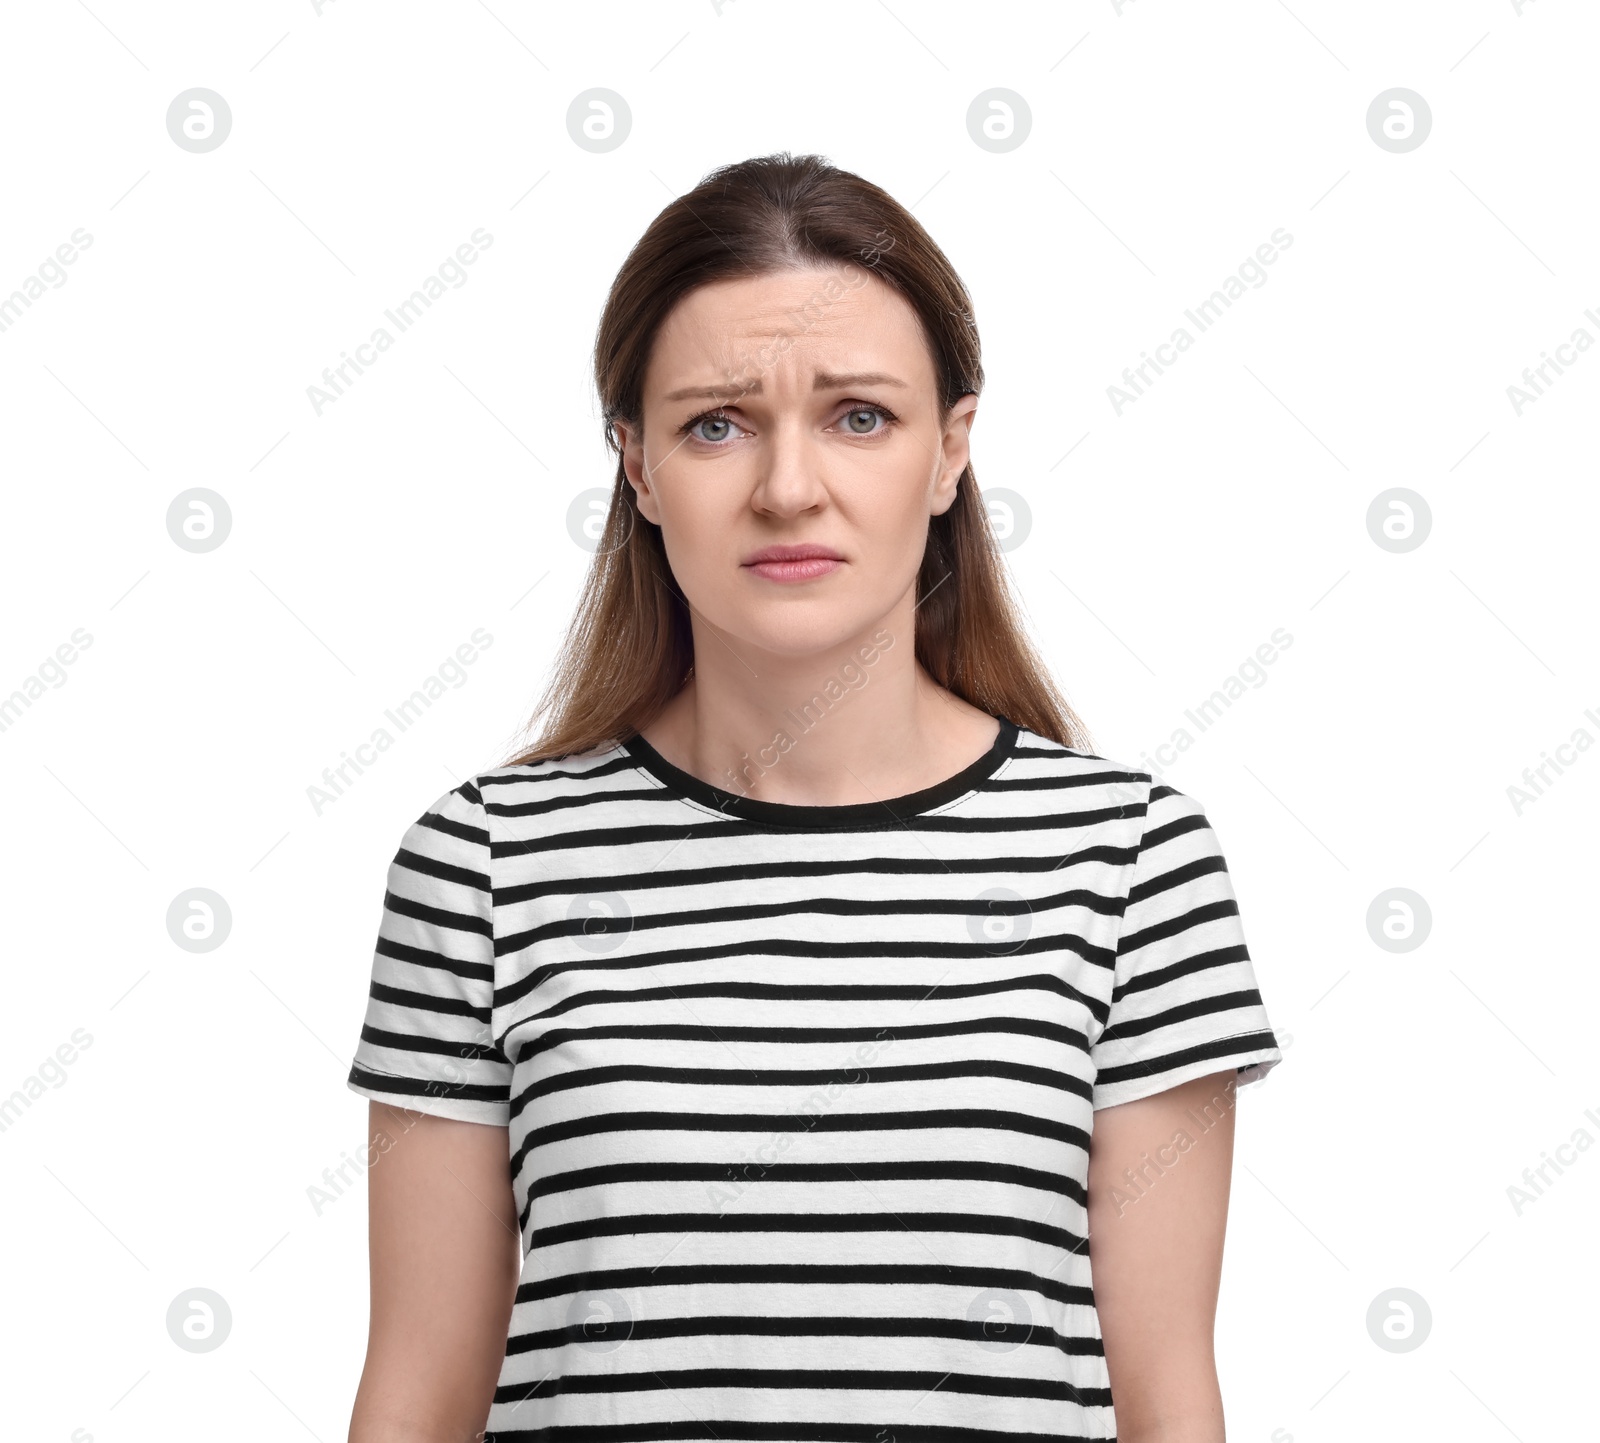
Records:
x=954, y=453
x=631, y=439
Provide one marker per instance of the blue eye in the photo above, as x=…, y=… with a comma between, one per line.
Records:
x=713, y=428
x=867, y=414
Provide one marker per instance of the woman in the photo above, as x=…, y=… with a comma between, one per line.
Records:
x=759, y=1054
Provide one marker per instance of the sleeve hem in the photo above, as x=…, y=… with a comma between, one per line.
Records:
x=1250, y=1066
x=459, y=1109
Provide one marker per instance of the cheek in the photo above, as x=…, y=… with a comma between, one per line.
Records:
x=889, y=515
x=698, y=514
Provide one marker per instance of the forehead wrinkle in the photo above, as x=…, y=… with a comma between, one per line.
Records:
x=820, y=381
x=764, y=321
x=720, y=356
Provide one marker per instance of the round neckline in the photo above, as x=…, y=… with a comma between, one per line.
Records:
x=852, y=815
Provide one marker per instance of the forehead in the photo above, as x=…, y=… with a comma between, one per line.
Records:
x=829, y=317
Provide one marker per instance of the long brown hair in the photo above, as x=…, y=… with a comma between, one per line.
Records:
x=629, y=646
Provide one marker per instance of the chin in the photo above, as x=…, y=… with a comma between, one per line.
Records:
x=797, y=631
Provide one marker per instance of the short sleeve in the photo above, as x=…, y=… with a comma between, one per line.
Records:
x=427, y=1040
x=1184, y=999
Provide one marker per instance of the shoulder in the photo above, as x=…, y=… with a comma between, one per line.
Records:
x=571, y=775
x=449, y=840
x=1104, y=783
x=1043, y=760
x=506, y=809
x=509, y=806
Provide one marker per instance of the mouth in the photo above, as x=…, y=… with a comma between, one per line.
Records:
x=793, y=563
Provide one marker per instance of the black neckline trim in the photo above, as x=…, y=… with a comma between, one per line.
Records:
x=848, y=816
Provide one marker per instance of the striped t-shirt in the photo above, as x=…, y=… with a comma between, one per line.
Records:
x=798, y=1099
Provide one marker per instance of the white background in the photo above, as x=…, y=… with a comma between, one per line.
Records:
x=367, y=543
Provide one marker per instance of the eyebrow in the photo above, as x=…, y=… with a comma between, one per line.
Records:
x=825, y=381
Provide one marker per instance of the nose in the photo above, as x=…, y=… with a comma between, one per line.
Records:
x=789, y=478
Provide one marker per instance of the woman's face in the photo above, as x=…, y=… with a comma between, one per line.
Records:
x=791, y=409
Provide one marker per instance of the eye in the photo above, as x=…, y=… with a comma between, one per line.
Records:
x=864, y=420
x=712, y=427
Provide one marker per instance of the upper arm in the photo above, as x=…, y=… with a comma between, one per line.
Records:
x=445, y=1258
x=443, y=1228
x=1184, y=1027
x=1159, y=1173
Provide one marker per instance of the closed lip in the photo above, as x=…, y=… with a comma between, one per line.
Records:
x=806, y=552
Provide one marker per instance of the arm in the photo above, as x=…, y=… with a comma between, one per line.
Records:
x=445, y=1259
x=1156, y=1255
